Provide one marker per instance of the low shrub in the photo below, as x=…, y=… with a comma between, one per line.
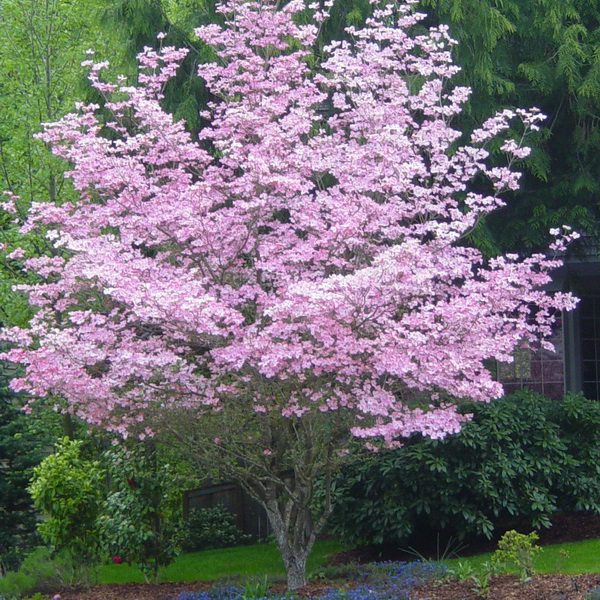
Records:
x=15, y=585
x=515, y=550
x=520, y=457
x=211, y=528
x=518, y=550
x=44, y=571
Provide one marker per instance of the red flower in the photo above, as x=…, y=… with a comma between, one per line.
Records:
x=117, y=560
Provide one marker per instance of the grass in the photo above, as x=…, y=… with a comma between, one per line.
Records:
x=210, y=565
x=264, y=559
x=573, y=558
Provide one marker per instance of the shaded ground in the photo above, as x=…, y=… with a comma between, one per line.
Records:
x=566, y=528
x=573, y=527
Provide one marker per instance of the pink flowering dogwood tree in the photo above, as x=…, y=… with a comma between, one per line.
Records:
x=296, y=277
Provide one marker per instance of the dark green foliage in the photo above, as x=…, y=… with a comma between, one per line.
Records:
x=208, y=528
x=521, y=457
x=22, y=444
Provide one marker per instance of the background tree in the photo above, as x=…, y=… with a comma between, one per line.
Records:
x=40, y=78
x=136, y=25
x=544, y=54
x=301, y=278
x=22, y=446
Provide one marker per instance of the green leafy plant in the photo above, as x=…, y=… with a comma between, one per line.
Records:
x=139, y=521
x=255, y=588
x=462, y=571
x=519, y=551
x=443, y=552
x=479, y=578
x=561, y=560
x=68, y=488
x=208, y=528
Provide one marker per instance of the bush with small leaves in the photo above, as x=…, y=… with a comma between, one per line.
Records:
x=140, y=516
x=519, y=551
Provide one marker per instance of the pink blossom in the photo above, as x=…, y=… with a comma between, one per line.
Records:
x=315, y=262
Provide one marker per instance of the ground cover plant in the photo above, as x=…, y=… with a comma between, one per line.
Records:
x=297, y=279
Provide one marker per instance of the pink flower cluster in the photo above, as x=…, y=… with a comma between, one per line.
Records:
x=310, y=261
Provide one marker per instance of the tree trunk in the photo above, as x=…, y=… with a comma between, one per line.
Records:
x=295, y=568
x=295, y=536
x=156, y=570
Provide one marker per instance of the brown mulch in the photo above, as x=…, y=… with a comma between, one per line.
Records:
x=132, y=591
x=505, y=587
x=165, y=591
x=565, y=528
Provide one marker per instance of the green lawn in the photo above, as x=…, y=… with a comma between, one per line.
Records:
x=264, y=559
x=259, y=559
x=572, y=558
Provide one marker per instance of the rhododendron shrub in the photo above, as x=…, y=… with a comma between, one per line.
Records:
x=298, y=273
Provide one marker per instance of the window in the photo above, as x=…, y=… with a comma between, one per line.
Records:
x=539, y=370
x=589, y=331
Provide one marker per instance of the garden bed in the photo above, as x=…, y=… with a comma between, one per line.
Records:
x=133, y=591
x=401, y=582
x=541, y=587
x=504, y=587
